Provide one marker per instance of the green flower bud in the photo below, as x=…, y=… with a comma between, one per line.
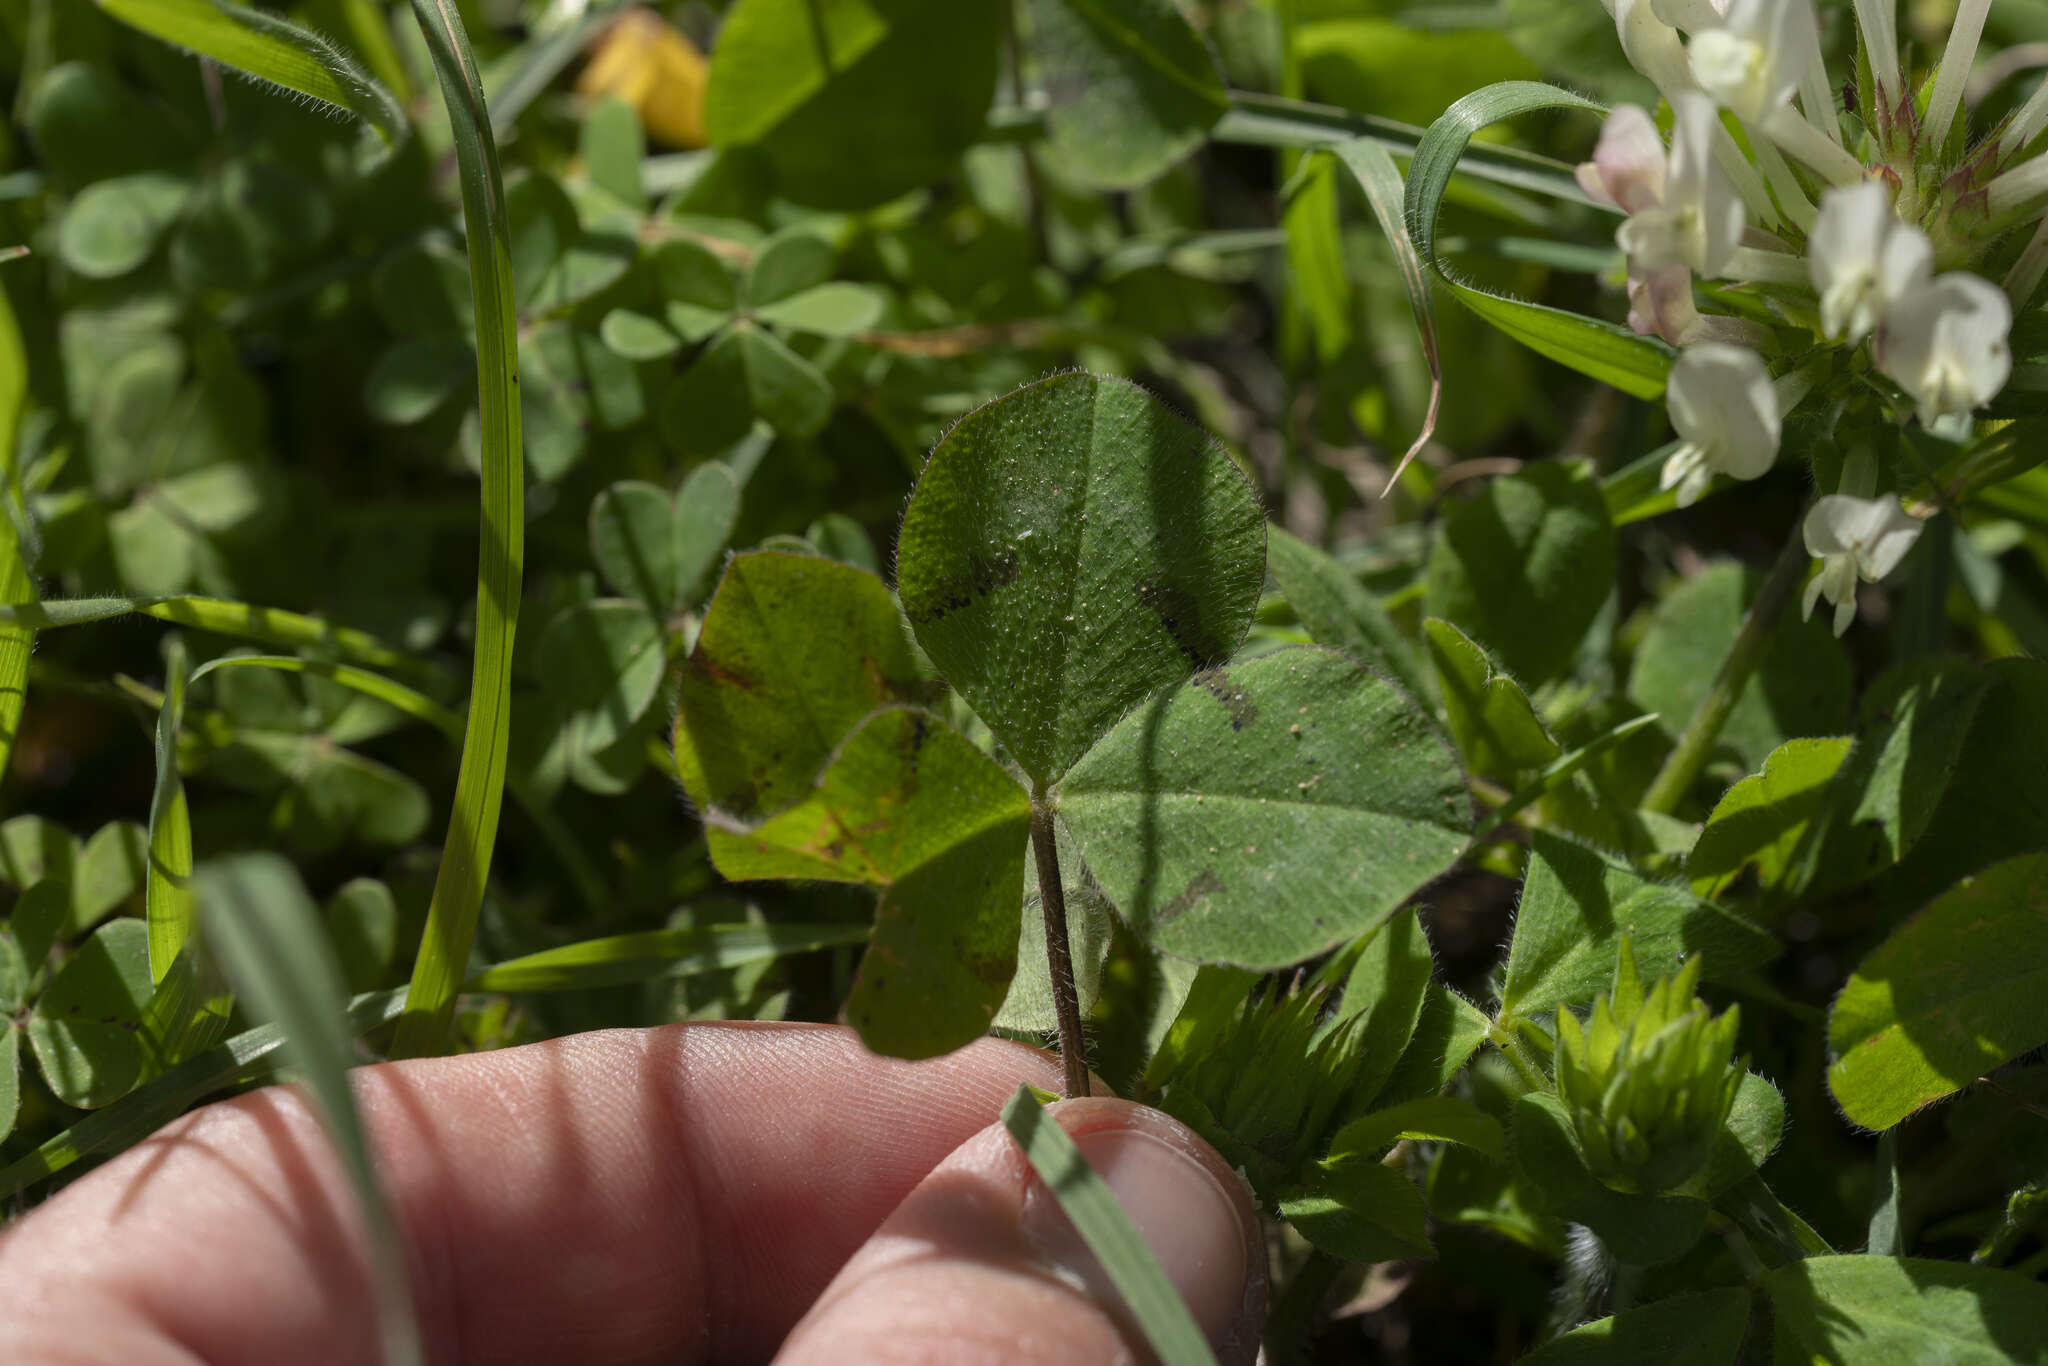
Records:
x=1648, y=1078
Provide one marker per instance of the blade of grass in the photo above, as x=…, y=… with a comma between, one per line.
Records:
x=17, y=642
x=267, y=933
x=241, y=620
x=479, y=787
x=271, y=50
x=1381, y=180
x=167, y=894
x=1092, y=1206
x=1274, y=121
x=658, y=953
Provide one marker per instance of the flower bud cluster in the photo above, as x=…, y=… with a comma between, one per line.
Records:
x=1648, y=1079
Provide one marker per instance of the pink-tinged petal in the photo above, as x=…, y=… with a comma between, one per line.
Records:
x=1660, y=303
x=1628, y=161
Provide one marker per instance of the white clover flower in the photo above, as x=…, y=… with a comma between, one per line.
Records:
x=1726, y=414
x=1944, y=342
x=1627, y=169
x=1697, y=220
x=1691, y=15
x=1863, y=259
x=1752, y=62
x=1854, y=538
x=1651, y=45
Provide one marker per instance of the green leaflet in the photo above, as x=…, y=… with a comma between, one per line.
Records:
x=1524, y=566
x=1268, y=809
x=853, y=102
x=1361, y=1212
x=1613, y=355
x=658, y=547
x=1705, y=1329
x=271, y=49
x=1337, y=611
x=1954, y=992
x=1575, y=905
x=1771, y=821
x=1496, y=729
x=1070, y=548
x=910, y=806
x=795, y=651
x=86, y=1028
x=479, y=786
x=1132, y=87
x=1903, y=1311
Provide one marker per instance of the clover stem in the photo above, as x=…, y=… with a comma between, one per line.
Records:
x=1059, y=956
x=1682, y=769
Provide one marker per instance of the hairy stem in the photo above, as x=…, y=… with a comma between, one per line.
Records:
x=1682, y=769
x=1059, y=956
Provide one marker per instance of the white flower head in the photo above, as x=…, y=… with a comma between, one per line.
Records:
x=1698, y=220
x=1751, y=63
x=1854, y=538
x=1945, y=342
x=1726, y=414
x=1863, y=259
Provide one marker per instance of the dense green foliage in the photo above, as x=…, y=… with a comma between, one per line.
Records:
x=542, y=529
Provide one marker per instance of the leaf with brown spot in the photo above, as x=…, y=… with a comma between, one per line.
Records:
x=795, y=651
x=1070, y=548
x=1299, y=813
x=909, y=805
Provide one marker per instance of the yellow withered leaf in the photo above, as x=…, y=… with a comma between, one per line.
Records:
x=654, y=68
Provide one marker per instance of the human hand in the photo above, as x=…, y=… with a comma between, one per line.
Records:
x=700, y=1193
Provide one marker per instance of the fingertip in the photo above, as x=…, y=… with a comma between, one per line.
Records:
x=1193, y=1211
x=980, y=1262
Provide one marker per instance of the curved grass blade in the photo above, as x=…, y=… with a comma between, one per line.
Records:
x=17, y=642
x=266, y=931
x=1381, y=180
x=1101, y=1221
x=658, y=953
x=1614, y=355
x=241, y=620
x=480, y=785
x=1275, y=121
x=271, y=50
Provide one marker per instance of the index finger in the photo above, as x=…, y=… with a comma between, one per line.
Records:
x=679, y=1194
